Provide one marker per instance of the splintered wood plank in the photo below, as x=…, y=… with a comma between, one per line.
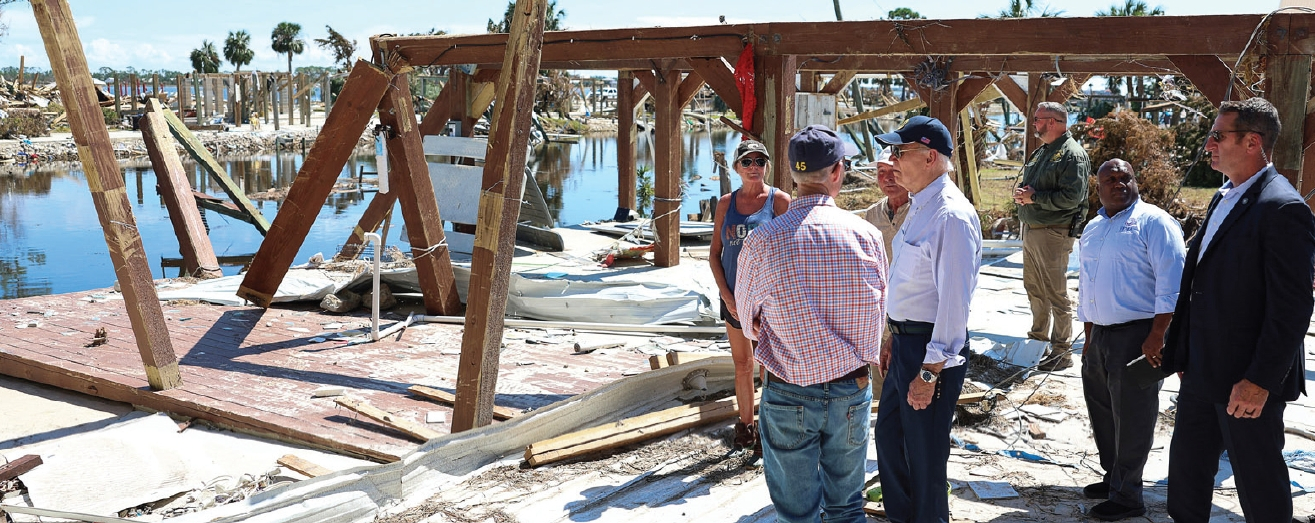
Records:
x=108, y=194
x=409, y=428
x=408, y=174
x=629, y=431
x=176, y=191
x=216, y=172
x=302, y=466
x=448, y=398
x=19, y=467
x=838, y=81
x=667, y=164
x=906, y=105
x=381, y=204
x=360, y=97
x=499, y=206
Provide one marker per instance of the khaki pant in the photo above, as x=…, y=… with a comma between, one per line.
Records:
x=1045, y=259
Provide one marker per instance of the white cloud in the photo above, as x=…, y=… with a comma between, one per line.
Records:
x=103, y=51
x=84, y=22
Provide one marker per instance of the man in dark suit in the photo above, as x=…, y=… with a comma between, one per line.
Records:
x=1236, y=338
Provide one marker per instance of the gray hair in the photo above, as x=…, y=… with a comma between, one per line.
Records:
x=1054, y=108
x=817, y=176
x=1256, y=115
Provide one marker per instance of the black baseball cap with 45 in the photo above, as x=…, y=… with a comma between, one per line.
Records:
x=817, y=147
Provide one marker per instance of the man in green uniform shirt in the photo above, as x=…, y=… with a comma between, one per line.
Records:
x=1052, y=203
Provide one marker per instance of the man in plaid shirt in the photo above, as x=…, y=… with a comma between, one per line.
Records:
x=811, y=289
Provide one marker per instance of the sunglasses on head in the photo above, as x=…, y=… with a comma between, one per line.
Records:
x=746, y=162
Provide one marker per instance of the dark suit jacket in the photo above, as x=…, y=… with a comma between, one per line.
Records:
x=1244, y=308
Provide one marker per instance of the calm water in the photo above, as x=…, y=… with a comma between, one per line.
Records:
x=51, y=241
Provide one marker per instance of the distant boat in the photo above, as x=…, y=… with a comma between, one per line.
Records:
x=691, y=230
x=564, y=138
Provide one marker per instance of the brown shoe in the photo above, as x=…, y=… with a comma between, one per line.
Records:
x=1056, y=361
x=746, y=436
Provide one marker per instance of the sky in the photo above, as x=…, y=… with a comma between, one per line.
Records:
x=158, y=34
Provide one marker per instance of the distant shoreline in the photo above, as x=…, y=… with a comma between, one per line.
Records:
x=59, y=147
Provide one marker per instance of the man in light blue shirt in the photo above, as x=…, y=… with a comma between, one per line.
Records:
x=1132, y=258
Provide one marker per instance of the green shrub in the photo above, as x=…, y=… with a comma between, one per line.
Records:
x=24, y=124
x=111, y=116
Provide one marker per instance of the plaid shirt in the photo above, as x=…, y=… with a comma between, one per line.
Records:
x=812, y=285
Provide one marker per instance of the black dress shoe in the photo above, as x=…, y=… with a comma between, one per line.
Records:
x=1098, y=490
x=1114, y=511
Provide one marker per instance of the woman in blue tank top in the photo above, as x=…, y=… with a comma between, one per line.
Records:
x=753, y=204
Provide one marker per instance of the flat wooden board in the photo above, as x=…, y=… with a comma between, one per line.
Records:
x=255, y=370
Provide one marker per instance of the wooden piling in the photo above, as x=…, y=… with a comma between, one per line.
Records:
x=334, y=145
x=69, y=65
x=193, y=240
x=499, y=206
x=667, y=167
x=626, y=167
x=217, y=172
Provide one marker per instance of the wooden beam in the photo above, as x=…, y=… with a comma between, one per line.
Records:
x=775, y=84
x=1160, y=35
x=408, y=176
x=217, y=173
x=689, y=87
x=906, y=105
x=440, y=112
x=176, y=191
x=971, y=86
x=667, y=168
x=495, y=235
x=1007, y=63
x=381, y=205
x=629, y=431
x=626, y=167
x=303, y=467
x=722, y=80
x=1289, y=79
x=448, y=398
x=108, y=194
x=647, y=82
x=941, y=105
x=838, y=81
x=361, y=93
x=1013, y=92
x=1208, y=73
x=415, y=430
x=808, y=81
x=19, y=466
x=968, y=155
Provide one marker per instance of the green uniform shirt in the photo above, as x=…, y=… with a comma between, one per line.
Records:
x=1058, y=172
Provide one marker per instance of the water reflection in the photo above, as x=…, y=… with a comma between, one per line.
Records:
x=51, y=240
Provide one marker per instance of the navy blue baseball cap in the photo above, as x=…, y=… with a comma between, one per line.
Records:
x=922, y=130
x=817, y=147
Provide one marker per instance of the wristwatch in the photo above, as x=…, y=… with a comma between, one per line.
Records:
x=928, y=376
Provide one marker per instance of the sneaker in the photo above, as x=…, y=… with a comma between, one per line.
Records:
x=1099, y=490
x=1056, y=361
x=1114, y=511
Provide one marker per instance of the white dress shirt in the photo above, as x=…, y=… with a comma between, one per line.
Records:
x=937, y=254
x=1228, y=197
x=1131, y=265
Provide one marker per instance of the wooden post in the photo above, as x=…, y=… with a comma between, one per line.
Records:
x=69, y=65
x=132, y=79
x=626, y=166
x=499, y=206
x=326, y=92
x=1036, y=93
x=155, y=85
x=118, y=108
x=667, y=167
x=969, y=155
x=180, y=94
x=775, y=81
x=21, y=64
x=334, y=145
x=193, y=241
x=291, y=99
x=408, y=176
x=274, y=103
x=216, y=171
x=198, y=98
x=1288, y=90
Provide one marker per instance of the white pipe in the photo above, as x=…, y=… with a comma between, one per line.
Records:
x=587, y=326
x=374, y=302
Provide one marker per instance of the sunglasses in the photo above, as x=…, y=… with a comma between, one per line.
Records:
x=898, y=153
x=747, y=162
x=1219, y=135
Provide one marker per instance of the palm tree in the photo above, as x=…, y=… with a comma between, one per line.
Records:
x=551, y=22
x=1129, y=8
x=286, y=38
x=205, y=59
x=1024, y=9
x=237, y=49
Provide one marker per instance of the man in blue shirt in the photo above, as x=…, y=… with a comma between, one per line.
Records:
x=1131, y=264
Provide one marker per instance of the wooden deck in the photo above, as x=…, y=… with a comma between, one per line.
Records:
x=254, y=370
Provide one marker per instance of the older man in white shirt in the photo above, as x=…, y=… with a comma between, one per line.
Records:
x=1131, y=264
x=932, y=277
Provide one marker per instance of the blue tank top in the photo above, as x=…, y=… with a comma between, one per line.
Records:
x=736, y=227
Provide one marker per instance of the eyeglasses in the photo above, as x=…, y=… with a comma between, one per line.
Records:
x=1219, y=135
x=1040, y=118
x=897, y=153
x=746, y=162
x=849, y=164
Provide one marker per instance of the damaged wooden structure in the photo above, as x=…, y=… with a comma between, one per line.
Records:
x=758, y=69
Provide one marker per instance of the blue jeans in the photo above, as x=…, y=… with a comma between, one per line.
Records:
x=814, y=448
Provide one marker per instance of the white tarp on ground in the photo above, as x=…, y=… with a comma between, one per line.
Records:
x=552, y=299
x=360, y=494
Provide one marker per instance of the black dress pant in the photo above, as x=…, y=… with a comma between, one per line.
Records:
x=1122, y=413
x=1202, y=431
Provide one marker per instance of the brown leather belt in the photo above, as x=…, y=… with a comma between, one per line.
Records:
x=860, y=374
